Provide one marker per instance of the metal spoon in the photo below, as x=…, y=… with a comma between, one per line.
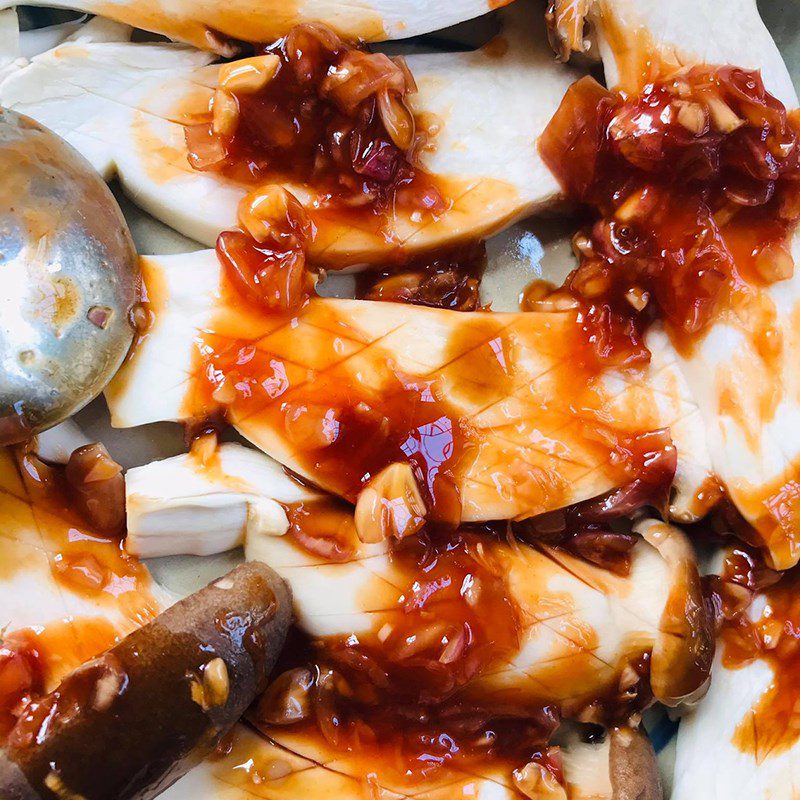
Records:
x=68, y=280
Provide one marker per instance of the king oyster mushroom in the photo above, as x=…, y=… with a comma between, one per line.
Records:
x=747, y=395
x=562, y=602
x=278, y=765
x=208, y=24
x=125, y=107
x=49, y=554
x=751, y=706
x=525, y=452
x=131, y=721
x=683, y=31
x=281, y=763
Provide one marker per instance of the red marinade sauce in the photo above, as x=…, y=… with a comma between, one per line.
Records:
x=21, y=676
x=772, y=636
x=693, y=186
x=394, y=696
x=322, y=120
x=334, y=118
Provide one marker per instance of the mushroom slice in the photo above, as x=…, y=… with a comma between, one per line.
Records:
x=482, y=402
x=743, y=372
x=208, y=23
x=183, y=505
x=281, y=764
x=131, y=721
x=570, y=615
x=752, y=705
x=51, y=553
x=629, y=32
x=126, y=107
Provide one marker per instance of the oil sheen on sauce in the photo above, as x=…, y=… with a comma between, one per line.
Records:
x=43, y=536
x=770, y=727
x=333, y=126
x=691, y=182
x=399, y=703
x=497, y=409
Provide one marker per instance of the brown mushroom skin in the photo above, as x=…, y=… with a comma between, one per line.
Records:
x=632, y=766
x=129, y=723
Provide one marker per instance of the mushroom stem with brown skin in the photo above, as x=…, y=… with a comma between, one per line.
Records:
x=617, y=764
x=129, y=723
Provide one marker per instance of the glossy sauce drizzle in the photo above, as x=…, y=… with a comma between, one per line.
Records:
x=337, y=429
x=390, y=701
x=33, y=660
x=313, y=116
x=771, y=636
x=338, y=398
x=693, y=181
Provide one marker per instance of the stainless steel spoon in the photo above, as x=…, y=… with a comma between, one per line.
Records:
x=68, y=280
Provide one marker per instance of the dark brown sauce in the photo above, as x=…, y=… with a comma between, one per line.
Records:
x=447, y=278
x=693, y=183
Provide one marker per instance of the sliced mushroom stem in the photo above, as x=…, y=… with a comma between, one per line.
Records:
x=129, y=723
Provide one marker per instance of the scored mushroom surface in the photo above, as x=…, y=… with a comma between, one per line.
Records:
x=512, y=367
x=52, y=553
x=421, y=416
x=280, y=765
x=483, y=110
x=558, y=609
x=741, y=370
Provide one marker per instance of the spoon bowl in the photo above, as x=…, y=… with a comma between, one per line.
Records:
x=68, y=280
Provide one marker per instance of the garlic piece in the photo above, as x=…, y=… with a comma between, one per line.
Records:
x=216, y=683
x=397, y=119
x=248, y=75
x=265, y=211
x=637, y=297
x=225, y=110
x=536, y=782
x=723, y=117
x=390, y=505
x=54, y=783
x=692, y=116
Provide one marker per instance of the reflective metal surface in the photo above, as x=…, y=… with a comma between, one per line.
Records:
x=68, y=277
